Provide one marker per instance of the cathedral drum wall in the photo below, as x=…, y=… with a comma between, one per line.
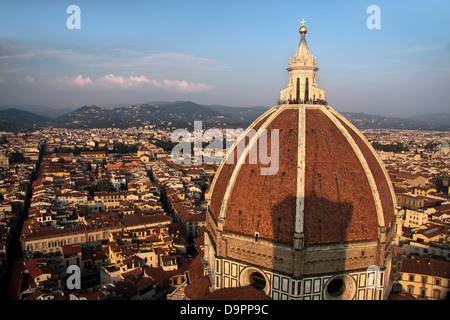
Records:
x=259, y=252
x=366, y=284
x=337, y=258
x=211, y=227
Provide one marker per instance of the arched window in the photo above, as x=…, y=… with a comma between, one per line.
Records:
x=297, y=94
x=307, y=89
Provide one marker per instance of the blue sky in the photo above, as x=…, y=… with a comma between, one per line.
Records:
x=225, y=52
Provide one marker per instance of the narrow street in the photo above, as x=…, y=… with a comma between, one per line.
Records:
x=14, y=250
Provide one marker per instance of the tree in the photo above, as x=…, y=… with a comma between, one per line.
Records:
x=101, y=185
x=104, y=163
x=204, y=186
x=105, y=185
x=123, y=148
x=165, y=145
x=16, y=157
x=431, y=145
x=440, y=186
x=83, y=211
x=398, y=147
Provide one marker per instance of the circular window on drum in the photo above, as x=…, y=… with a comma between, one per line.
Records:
x=257, y=280
x=341, y=287
x=254, y=277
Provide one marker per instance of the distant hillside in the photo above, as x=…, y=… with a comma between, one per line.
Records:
x=244, y=114
x=14, y=119
x=180, y=113
x=369, y=121
x=436, y=118
x=184, y=113
x=39, y=110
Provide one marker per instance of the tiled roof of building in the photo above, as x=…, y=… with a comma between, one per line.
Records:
x=137, y=219
x=198, y=289
x=239, y=293
x=95, y=295
x=196, y=269
x=401, y=296
x=36, y=270
x=426, y=266
x=71, y=249
x=157, y=274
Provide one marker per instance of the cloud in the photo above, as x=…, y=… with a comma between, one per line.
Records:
x=169, y=70
x=78, y=81
x=179, y=60
x=10, y=51
x=30, y=80
x=111, y=81
x=187, y=86
x=25, y=81
x=109, y=58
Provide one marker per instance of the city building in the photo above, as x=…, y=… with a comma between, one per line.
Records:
x=443, y=152
x=425, y=278
x=4, y=161
x=415, y=218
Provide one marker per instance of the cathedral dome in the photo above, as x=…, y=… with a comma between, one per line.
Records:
x=330, y=185
x=301, y=207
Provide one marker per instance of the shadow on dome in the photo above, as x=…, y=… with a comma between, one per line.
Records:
x=320, y=254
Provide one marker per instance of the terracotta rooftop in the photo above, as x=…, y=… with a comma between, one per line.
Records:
x=36, y=270
x=400, y=296
x=137, y=219
x=196, y=269
x=426, y=266
x=157, y=274
x=95, y=295
x=240, y=293
x=71, y=249
x=198, y=289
